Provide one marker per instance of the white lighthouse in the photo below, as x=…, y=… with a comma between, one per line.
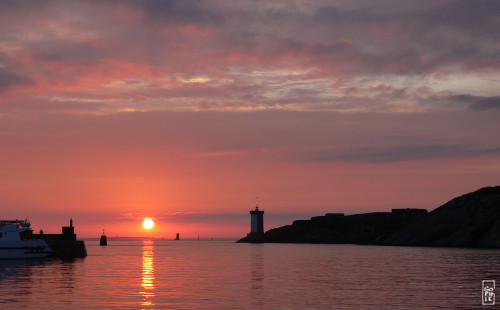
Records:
x=256, y=222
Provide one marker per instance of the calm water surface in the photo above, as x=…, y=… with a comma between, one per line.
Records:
x=226, y=275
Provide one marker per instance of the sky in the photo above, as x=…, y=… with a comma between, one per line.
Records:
x=192, y=112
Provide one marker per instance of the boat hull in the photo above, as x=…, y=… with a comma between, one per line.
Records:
x=25, y=249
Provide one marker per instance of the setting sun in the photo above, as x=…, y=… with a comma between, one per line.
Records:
x=148, y=223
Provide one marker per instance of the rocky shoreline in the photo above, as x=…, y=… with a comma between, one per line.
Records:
x=471, y=220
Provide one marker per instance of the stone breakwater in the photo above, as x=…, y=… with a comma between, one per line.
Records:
x=64, y=245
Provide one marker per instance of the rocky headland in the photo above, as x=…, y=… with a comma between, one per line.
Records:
x=471, y=220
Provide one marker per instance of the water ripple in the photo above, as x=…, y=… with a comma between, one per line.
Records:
x=226, y=275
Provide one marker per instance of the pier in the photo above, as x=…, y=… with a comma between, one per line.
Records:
x=65, y=244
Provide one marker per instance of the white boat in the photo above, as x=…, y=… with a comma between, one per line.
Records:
x=16, y=241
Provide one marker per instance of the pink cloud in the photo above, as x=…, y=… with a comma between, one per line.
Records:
x=350, y=107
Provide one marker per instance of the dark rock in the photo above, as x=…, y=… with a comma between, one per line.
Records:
x=471, y=220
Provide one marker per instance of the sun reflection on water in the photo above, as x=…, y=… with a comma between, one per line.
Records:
x=148, y=273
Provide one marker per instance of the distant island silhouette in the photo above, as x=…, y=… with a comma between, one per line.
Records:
x=471, y=220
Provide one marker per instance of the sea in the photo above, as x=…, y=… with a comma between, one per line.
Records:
x=222, y=274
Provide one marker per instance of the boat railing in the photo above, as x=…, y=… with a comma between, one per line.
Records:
x=18, y=223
